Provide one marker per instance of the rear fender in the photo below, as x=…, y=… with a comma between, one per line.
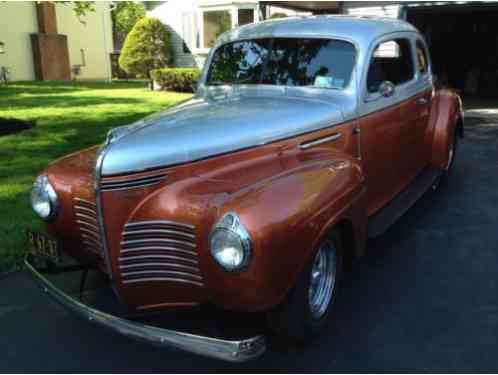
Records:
x=446, y=119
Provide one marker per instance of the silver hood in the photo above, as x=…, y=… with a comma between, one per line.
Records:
x=212, y=125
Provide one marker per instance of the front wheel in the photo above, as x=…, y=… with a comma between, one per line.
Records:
x=310, y=303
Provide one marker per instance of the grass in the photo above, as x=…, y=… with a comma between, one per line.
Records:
x=70, y=117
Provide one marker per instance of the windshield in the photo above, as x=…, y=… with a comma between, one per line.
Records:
x=324, y=63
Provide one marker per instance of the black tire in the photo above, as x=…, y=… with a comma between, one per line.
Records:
x=294, y=318
x=453, y=154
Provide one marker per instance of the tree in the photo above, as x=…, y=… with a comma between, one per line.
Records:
x=146, y=47
x=124, y=16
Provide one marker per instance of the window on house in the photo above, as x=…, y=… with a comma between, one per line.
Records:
x=246, y=16
x=392, y=61
x=216, y=22
x=422, y=61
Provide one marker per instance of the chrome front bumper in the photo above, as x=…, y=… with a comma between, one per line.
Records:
x=232, y=351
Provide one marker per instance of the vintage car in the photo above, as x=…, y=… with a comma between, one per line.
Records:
x=305, y=137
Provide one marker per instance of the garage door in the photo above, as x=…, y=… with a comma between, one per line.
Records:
x=463, y=40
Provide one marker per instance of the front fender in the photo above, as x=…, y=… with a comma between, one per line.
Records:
x=287, y=216
x=288, y=202
x=445, y=116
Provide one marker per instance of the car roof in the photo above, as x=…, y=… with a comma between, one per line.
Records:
x=361, y=30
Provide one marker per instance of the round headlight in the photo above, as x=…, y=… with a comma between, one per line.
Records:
x=230, y=243
x=44, y=198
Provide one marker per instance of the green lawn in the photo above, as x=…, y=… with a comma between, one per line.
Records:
x=69, y=116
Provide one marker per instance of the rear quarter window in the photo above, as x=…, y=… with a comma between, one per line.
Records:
x=391, y=61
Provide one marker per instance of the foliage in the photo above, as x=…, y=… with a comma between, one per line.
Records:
x=176, y=79
x=81, y=8
x=278, y=15
x=146, y=47
x=124, y=17
x=69, y=117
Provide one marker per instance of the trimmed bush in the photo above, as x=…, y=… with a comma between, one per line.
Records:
x=147, y=47
x=176, y=79
x=278, y=15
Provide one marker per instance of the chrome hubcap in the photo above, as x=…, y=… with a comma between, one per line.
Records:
x=323, y=277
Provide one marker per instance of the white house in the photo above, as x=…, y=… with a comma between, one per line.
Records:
x=195, y=24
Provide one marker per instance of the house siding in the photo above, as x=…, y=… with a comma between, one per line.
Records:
x=17, y=22
x=93, y=36
x=389, y=9
x=173, y=15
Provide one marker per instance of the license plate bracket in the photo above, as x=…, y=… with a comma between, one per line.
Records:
x=43, y=246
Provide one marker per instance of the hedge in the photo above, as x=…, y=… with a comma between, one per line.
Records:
x=176, y=79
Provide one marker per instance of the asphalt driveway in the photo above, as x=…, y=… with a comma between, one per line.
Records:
x=425, y=299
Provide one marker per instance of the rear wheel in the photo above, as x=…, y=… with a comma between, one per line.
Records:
x=310, y=303
x=443, y=179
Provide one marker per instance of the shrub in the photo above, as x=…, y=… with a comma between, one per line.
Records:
x=278, y=15
x=176, y=79
x=146, y=47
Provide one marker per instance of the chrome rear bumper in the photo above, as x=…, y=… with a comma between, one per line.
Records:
x=232, y=351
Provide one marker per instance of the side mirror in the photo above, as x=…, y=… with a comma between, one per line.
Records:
x=387, y=89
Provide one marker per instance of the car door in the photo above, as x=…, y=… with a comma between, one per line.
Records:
x=386, y=144
x=415, y=114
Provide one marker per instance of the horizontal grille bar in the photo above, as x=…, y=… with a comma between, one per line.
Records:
x=163, y=279
x=153, y=266
x=167, y=242
x=159, y=250
x=158, y=232
x=153, y=257
x=160, y=222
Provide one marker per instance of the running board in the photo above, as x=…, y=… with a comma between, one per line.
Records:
x=389, y=214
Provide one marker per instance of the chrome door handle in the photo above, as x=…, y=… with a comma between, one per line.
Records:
x=422, y=101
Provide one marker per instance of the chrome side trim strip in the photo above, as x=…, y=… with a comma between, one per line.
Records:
x=130, y=186
x=333, y=137
x=232, y=351
x=100, y=213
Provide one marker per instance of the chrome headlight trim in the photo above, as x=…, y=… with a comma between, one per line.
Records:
x=42, y=186
x=230, y=222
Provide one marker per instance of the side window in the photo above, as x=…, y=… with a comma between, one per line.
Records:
x=391, y=61
x=422, y=61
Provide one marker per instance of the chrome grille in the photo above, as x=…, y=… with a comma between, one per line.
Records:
x=132, y=182
x=86, y=218
x=159, y=251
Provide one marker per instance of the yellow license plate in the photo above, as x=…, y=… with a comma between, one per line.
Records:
x=41, y=245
